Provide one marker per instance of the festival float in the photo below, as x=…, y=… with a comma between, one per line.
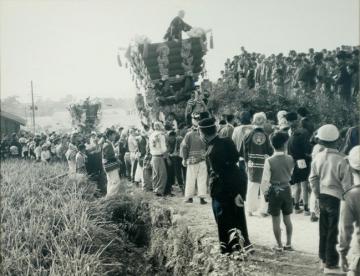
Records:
x=165, y=75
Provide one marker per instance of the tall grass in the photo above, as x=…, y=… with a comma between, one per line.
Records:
x=46, y=225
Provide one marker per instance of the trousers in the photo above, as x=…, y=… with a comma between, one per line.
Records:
x=159, y=176
x=196, y=174
x=175, y=172
x=228, y=216
x=255, y=200
x=328, y=229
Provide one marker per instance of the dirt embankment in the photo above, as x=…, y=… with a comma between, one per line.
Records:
x=181, y=239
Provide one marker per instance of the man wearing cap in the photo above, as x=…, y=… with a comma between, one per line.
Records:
x=192, y=151
x=228, y=184
x=327, y=172
x=350, y=215
x=255, y=149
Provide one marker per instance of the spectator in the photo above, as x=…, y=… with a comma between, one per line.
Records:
x=255, y=149
x=81, y=160
x=192, y=151
x=228, y=184
x=110, y=163
x=228, y=129
x=158, y=151
x=350, y=217
x=299, y=148
x=351, y=139
x=241, y=131
x=326, y=175
x=175, y=167
x=275, y=185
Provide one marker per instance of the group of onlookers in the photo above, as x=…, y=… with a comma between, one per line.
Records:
x=334, y=73
x=242, y=160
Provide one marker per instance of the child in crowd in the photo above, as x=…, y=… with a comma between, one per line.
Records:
x=327, y=172
x=275, y=185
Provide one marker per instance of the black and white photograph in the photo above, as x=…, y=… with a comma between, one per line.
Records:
x=179, y=137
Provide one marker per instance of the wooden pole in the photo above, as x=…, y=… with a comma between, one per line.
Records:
x=33, y=106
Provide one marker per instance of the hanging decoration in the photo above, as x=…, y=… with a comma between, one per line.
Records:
x=163, y=60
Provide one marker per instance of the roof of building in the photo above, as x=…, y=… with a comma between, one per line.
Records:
x=12, y=117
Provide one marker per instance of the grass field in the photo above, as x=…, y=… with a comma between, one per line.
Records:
x=46, y=225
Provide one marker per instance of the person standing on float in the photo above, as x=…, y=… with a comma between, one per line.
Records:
x=177, y=26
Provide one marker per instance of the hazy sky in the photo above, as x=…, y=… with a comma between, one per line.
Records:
x=70, y=46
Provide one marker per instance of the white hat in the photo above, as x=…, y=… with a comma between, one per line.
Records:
x=328, y=133
x=354, y=158
x=259, y=119
x=283, y=123
x=281, y=114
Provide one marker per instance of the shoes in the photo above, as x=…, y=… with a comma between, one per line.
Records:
x=249, y=249
x=298, y=211
x=202, y=201
x=307, y=213
x=264, y=215
x=170, y=194
x=321, y=265
x=288, y=248
x=278, y=249
x=334, y=271
x=158, y=194
x=190, y=200
x=313, y=217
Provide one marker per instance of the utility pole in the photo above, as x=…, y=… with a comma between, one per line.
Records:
x=33, y=106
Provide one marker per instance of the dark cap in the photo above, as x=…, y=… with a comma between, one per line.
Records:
x=291, y=116
x=207, y=123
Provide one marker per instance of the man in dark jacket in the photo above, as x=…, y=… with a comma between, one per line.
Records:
x=228, y=184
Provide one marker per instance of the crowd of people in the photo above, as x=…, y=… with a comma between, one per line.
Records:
x=240, y=161
x=332, y=73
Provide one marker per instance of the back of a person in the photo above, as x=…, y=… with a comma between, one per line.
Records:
x=299, y=144
x=327, y=163
x=257, y=148
x=257, y=142
x=240, y=133
x=281, y=168
x=226, y=132
x=352, y=198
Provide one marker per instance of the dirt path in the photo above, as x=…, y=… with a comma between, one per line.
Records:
x=303, y=261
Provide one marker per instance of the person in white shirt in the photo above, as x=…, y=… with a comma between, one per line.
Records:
x=158, y=150
x=81, y=160
x=133, y=148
